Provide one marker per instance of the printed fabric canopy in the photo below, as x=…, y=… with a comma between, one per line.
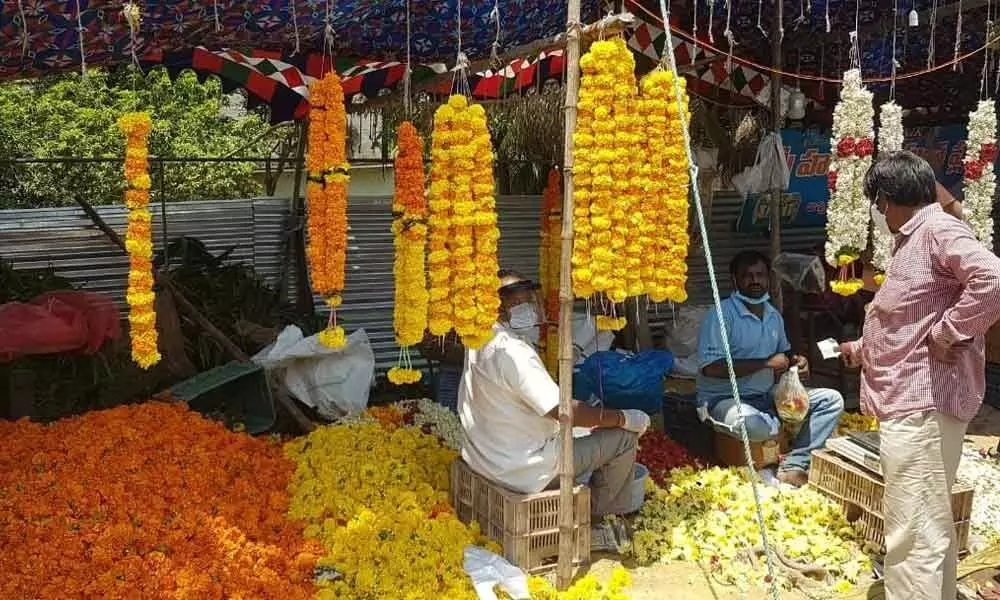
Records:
x=43, y=36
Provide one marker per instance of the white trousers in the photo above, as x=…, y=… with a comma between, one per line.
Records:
x=920, y=456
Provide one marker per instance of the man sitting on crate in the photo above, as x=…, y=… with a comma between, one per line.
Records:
x=760, y=352
x=508, y=405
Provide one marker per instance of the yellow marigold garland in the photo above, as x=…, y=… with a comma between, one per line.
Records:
x=548, y=268
x=463, y=238
x=668, y=182
x=604, y=194
x=326, y=195
x=409, y=230
x=140, y=296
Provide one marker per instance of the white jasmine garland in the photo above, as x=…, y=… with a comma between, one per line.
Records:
x=852, y=146
x=890, y=139
x=979, y=180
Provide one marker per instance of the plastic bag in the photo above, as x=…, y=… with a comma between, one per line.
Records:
x=624, y=380
x=804, y=272
x=59, y=321
x=682, y=335
x=790, y=398
x=334, y=382
x=488, y=570
x=769, y=171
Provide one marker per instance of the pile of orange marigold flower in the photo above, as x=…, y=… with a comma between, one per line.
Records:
x=148, y=502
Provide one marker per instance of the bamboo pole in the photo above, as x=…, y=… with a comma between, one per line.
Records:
x=564, y=572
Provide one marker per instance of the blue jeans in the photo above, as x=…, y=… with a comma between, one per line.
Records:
x=762, y=422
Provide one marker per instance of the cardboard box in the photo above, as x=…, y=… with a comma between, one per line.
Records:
x=729, y=450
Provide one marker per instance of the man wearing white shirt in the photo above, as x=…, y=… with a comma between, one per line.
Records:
x=508, y=405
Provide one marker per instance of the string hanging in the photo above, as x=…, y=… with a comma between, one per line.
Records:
x=931, y=45
x=694, y=28
x=760, y=22
x=407, y=100
x=895, y=21
x=828, y=16
x=79, y=37
x=495, y=50
x=295, y=27
x=459, y=79
x=696, y=198
x=328, y=34
x=215, y=10
x=729, y=35
x=711, y=21
x=24, y=29
x=133, y=16
x=801, y=19
x=983, y=86
x=958, y=36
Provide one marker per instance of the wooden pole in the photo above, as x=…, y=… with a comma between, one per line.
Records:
x=775, y=197
x=564, y=571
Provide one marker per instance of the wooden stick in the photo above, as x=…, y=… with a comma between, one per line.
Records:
x=193, y=312
x=564, y=571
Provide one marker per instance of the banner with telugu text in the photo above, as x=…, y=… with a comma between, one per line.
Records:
x=803, y=204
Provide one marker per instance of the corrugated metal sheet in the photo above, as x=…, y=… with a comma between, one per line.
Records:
x=67, y=240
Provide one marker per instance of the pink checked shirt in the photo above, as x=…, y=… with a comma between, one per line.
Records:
x=941, y=282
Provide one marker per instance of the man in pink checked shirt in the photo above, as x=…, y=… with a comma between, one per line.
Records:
x=923, y=369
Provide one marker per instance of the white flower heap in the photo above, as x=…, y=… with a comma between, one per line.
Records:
x=890, y=139
x=847, y=213
x=980, y=178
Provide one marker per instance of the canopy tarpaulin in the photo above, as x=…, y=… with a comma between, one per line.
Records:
x=42, y=36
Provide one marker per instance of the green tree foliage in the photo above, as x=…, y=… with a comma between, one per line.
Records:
x=72, y=116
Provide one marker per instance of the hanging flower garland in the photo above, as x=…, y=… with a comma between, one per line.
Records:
x=140, y=296
x=848, y=211
x=890, y=139
x=326, y=195
x=664, y=234
x=604, y=195
x=409, y=230
x=979, y=179
x=548, y=269
x=464, y=235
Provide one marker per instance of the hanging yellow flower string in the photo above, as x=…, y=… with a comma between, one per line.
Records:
x=326, y=195
x=463, y=227
x=140, y=296
x=602, y=188
x=409, y=230
x=440, y=318
x=548, y=269
x=665, y=277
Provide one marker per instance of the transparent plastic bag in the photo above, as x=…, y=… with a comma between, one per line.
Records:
x=790, y=398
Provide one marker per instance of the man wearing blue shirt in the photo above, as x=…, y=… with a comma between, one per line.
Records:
x=760, y=352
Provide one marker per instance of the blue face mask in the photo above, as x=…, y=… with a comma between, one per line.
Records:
x=763, y=299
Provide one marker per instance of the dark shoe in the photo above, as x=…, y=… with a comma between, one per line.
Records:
x=793, y=477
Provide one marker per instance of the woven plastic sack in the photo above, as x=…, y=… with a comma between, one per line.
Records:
x=790, y=398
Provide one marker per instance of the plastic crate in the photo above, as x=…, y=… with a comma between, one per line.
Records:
x=850, y=484
x=238, y=393
x=871, y=528
x=526, y=525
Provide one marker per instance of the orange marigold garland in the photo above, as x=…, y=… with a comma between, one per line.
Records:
x=326, y=195
x=463, y=238
x=409, y=230
x=140, y=296
x=548, y=269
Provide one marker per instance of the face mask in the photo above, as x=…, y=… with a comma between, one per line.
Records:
x=878, y=219
x=747, y=299
x=523, y=316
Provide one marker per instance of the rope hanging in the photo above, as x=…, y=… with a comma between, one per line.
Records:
x=79, y=37
x=407, y=101
x=741, y=423
x=895, y=21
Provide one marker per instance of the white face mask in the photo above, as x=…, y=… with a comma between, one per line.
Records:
x=878, y=219
x=524, y=322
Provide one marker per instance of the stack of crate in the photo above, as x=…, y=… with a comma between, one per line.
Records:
x=525, y=525
x=859, y=492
